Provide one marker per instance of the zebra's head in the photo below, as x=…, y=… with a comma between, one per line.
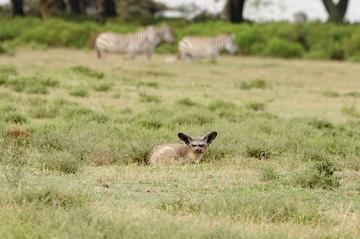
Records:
x=151, y=35
x=165, y=34
x=230, y=44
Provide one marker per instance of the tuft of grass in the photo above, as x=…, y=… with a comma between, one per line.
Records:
x=79, y=92
x=249, y=206
x=100, y=158
x=312, y=155
x=43, y=111
x=126, y=111
x=6, y=49
x=37, y=89
x=151, y=123
x=268, y=174
x=224, y=109
x=61, y=161
x=86, y=71
x=257, y=152
x=351, y=111
x=102, y=87
x=193, y=118
x=148, y=84
x=14, y=157
x=321, y=124
x=8, y=70
x=31, y=84
x=353, y=94
x=3, y=79
x=331, y=94
x=146, y=98
x=139, y=153
x=221, y=105
x=255, y=106
x=254, y=84
x=321, y=175
x=186, y=102
x=49, y=197
x=15, y=117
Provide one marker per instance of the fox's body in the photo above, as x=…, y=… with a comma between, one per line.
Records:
x=190, y=152
x=173, y=153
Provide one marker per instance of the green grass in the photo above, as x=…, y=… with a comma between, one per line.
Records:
x=310, y=40
x=86, y=71
x=285, y=163
x=79, y=92
x=254, y=84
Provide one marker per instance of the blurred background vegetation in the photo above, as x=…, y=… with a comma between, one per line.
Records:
x=74, y=23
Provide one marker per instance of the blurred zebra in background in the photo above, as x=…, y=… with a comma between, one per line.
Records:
x=206, y=47
x=133, y=44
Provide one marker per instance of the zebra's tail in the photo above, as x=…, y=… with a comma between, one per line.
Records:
x=92, y=40
x=92, y=44
x=98, y=52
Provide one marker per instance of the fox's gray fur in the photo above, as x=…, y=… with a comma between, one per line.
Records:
x=191, y=152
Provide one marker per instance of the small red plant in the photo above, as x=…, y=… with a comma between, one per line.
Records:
x=17, y=132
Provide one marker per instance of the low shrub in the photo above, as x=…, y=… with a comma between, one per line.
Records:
x=15, y=117
x=187, y=102
x=61, y=162
x=255, y=106
x=146, y=98
x=257, y=152
x=287, y=40
x=281, y=48
x=103, y=87
x=79, y=92
x=254, y=84
x=321, y=175
x=49, y=197
x=86, y=71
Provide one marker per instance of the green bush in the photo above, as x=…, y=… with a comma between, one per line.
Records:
x=281, y=48
x=321, y=175
x=352, y=46
x=15, y=117
x=312, y=40
x=250, y=41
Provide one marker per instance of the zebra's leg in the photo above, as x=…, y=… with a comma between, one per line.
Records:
x=187, y=57
x=132, y=55
x=213, y=56
x=132, y=51
x=183, y=56
x=99, y=53
x=149, y=53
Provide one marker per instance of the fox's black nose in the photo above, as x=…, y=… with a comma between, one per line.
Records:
x=198, y=150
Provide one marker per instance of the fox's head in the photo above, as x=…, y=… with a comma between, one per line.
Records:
x=198, y=146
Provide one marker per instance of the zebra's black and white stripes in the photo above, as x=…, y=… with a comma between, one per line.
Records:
x=206, y=47
x=133, y=44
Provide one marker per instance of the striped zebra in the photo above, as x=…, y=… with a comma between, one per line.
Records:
x=133, y=44
x=206, y=47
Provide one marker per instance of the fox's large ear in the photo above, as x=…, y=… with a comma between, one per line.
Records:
x=186, y=138
x=210, y=137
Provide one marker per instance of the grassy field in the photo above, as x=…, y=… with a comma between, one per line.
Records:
x=285, y=164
